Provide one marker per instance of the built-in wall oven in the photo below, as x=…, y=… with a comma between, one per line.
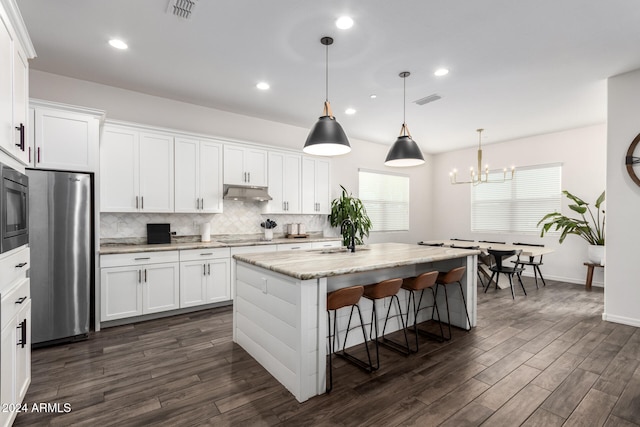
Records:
x=14, y=209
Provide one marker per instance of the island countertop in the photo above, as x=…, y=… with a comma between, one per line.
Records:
x=316, y=263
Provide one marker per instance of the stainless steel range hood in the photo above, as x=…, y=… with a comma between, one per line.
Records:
x=246, y=194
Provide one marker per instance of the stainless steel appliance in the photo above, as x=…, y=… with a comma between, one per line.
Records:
x=61, y=242
x=14, y=209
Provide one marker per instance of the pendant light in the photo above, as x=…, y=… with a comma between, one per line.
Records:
x=327, y=137
x=405, y=151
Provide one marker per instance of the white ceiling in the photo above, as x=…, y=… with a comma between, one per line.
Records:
x=518, y=68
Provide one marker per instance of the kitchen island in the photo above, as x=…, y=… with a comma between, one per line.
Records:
x=279, y=314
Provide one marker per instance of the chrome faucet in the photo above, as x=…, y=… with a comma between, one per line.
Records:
x=352, y=228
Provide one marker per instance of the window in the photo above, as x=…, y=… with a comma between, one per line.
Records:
x=386, y=198
x=516, y=206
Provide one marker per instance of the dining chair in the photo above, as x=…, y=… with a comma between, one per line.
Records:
x=498, y=268
x=535, y=264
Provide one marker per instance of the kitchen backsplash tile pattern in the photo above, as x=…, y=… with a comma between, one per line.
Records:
x=238, y=218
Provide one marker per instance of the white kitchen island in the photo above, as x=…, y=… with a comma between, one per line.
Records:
x=279, y=314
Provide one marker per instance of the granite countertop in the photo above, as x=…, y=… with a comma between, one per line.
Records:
x=316, y=263
x=125, y=246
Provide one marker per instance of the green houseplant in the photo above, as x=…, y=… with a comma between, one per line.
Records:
x=590, y=228
x=349, y=207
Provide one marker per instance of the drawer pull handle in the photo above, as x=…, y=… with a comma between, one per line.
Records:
x=141, y=259
x=205, y=254
x=23, y=333
x=21, y=300
x=22, y=264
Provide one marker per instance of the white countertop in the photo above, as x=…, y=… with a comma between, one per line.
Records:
x=312, y=264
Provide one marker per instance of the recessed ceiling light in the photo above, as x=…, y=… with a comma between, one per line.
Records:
x=344, y=22
x=350, y=111
x=373, y=96
x=441, y=72
x=263, y=86
x=118, y=44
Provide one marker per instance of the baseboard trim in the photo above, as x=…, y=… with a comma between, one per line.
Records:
x=621, y=319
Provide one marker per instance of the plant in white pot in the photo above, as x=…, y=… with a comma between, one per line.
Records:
x=589, y=228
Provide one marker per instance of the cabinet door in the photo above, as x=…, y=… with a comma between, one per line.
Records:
x=6, y=86
x=161, y=287
x=156, y=173
x=234, y=172
x=65, y=141
x=120, y=292
x=20, y=103
x=7, y=369
x=210, y=169
x=119, y=170
x=276, y=183
x=309, y=205
x=193, y=290
x=23, y=351
x=218, y=283
x=292, y=176
x=256, y=167
x=187, y=191
x=322, y=191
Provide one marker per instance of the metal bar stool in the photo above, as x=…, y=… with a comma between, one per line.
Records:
x=445, y=278
x=335, y=300
x=421, y=283
x=384, y=289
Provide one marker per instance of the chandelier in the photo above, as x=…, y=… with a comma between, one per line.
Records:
x=481, y=176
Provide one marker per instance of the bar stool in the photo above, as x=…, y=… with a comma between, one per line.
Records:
x=381, y=290
x=336, y=300
x=421, y=283
x=453, y=276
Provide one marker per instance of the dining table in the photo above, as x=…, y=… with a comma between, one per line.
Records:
x=483, y=246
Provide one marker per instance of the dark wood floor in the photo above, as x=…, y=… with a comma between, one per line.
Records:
x=547, y=359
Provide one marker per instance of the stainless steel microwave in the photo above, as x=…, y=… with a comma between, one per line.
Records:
x=14, y=209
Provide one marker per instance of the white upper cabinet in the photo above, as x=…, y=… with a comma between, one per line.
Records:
x=285, y=173
x=316, y=197
x=15, y=51
x=245, y=166
x=64, y=138
x=136, y=171
x=198, y=179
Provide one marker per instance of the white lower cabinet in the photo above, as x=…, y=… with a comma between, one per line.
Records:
x=326, y=244
x=205, y=276
x=137, y=284
x=15, y=338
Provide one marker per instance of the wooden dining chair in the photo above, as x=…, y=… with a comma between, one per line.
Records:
x=498, y=268
x=535, y=264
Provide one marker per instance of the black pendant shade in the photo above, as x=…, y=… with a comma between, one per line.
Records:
x=404, y=152
x=327, y=138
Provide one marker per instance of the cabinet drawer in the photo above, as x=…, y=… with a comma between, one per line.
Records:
x=12, y=267
x=198, y=254
x=138, y=258
x=14, y=299
x=294, y=246
x=326, y=244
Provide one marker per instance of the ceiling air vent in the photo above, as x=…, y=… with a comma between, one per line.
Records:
x=181, y=8
x=428, y=99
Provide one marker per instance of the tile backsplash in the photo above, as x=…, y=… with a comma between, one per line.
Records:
x=238, y=218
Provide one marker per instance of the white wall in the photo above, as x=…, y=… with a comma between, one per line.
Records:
x=120, y=104
x=582, y=153
x=622, y=291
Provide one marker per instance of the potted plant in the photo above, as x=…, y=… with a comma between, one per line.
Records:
x=589, y=228
x=347, y=207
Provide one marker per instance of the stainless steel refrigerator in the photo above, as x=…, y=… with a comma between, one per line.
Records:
x=61, y=243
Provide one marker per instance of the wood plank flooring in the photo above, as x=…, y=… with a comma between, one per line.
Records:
x=543, y=360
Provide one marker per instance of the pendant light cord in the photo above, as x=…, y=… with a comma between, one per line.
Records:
x=326, y=83
x=404, y=102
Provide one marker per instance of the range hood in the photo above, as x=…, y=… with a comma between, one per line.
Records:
x=246, y=194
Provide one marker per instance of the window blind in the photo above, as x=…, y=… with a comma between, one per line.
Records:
x=516, y=205
x=386, y=198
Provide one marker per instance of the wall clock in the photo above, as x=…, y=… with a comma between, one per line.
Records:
x=631, y=161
